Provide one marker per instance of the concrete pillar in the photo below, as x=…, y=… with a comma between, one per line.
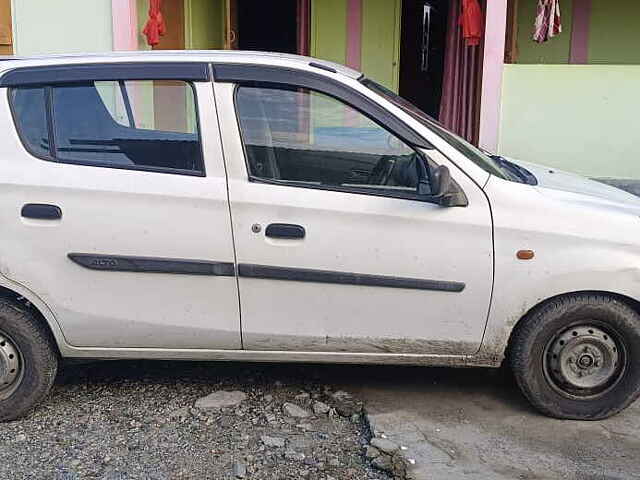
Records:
x=493, y=64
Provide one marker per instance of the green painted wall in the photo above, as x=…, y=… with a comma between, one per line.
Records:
x=380, y=36
x=204, y=24
x=329, y=30
x=381, y=41
x=556, y=50
x=61, y=26
x=581, y=118
x=615, y=32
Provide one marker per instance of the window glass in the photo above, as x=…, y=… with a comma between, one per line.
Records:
x=130, y=124
x=29, y=109
x=474, y=154
x=305, y=137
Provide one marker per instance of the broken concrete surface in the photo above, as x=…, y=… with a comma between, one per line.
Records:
x=473, y=425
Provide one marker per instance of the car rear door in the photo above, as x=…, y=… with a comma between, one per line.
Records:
x=114, y=204
x=336, y=251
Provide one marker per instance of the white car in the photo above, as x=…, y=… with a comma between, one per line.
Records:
x=264, y=207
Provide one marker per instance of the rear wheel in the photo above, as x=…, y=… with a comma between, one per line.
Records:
x=28, y=361
x=578, y=357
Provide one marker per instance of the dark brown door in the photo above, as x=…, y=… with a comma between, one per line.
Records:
x=6, y=37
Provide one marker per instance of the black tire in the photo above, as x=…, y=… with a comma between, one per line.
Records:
x=550, y=384
x=38, y=358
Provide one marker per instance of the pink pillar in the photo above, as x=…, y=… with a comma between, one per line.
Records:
x=493, y=66
x=124, y=16
x=580, y=32
x=354, y=34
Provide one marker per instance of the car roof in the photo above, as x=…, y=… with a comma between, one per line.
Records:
x=209, y=56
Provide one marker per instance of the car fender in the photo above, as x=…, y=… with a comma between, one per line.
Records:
x=579, y=245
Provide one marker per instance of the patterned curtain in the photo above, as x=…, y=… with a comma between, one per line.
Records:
x=460, y=105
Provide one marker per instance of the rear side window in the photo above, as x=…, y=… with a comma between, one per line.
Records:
x=142, y=125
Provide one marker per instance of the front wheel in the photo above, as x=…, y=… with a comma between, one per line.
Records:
x=28, y=361
x=578, y=357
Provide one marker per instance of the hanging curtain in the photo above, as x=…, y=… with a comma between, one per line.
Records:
x=460, y=105
x=155, y=26
x=548, y=23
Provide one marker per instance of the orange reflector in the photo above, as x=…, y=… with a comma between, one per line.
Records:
x=525, y=254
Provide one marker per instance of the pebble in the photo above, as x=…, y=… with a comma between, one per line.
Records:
x=383, y=462
x=293, y=455
x=239, y=470
x=320, y=408
x=273, y=441
x=303, y=398
x=372, y=452
x=295, y=411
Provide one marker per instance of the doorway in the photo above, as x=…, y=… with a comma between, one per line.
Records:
x=422, y=52
x=265, y=26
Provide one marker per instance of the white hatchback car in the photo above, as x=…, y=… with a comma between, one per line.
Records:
x=264, y=207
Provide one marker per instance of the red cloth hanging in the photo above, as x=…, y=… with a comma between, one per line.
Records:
x=548, y=22
x=472, y=22
x=155, y=26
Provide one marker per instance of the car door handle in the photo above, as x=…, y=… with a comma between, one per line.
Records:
x=285, y=230
x=41, y=211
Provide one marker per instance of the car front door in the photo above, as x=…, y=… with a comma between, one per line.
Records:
x=336, y=251
x=115, y=208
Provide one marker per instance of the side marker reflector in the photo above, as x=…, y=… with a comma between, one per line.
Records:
x=525, y=254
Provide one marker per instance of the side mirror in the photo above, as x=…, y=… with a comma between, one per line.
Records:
x=440, y=181
x=444, y=190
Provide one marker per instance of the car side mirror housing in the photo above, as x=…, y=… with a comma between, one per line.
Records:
x=441, y=181
x=444, y=190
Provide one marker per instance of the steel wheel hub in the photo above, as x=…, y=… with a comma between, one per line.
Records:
x=583, y=360
x=10, y=366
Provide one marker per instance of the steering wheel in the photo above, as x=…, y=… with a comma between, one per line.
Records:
x=382, y=171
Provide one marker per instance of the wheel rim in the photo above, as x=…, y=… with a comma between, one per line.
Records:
x=10, y=366
x=584, y=361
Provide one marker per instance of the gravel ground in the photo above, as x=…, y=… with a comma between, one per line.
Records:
x=138, y=420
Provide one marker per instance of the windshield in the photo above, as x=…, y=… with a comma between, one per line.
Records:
x=472, y=153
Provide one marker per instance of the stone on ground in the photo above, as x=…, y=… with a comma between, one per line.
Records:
x=295, y=411
x=384, y=445
x=221, y=399
x=273, y=442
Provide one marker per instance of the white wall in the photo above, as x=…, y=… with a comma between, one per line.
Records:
x=61, y=26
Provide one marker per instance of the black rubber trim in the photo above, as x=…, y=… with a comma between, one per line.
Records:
x=285, y=230
x=261, y=75
x=52, y=74
x=41, y=211
x=344, y=278
x=326, y=68
x=120, y=263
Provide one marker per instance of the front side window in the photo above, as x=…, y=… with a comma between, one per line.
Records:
x=471, y=152
x=149, y=125
x=305, y=138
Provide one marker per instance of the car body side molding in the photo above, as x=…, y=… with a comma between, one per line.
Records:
x=345, y=278
x=120, y=263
